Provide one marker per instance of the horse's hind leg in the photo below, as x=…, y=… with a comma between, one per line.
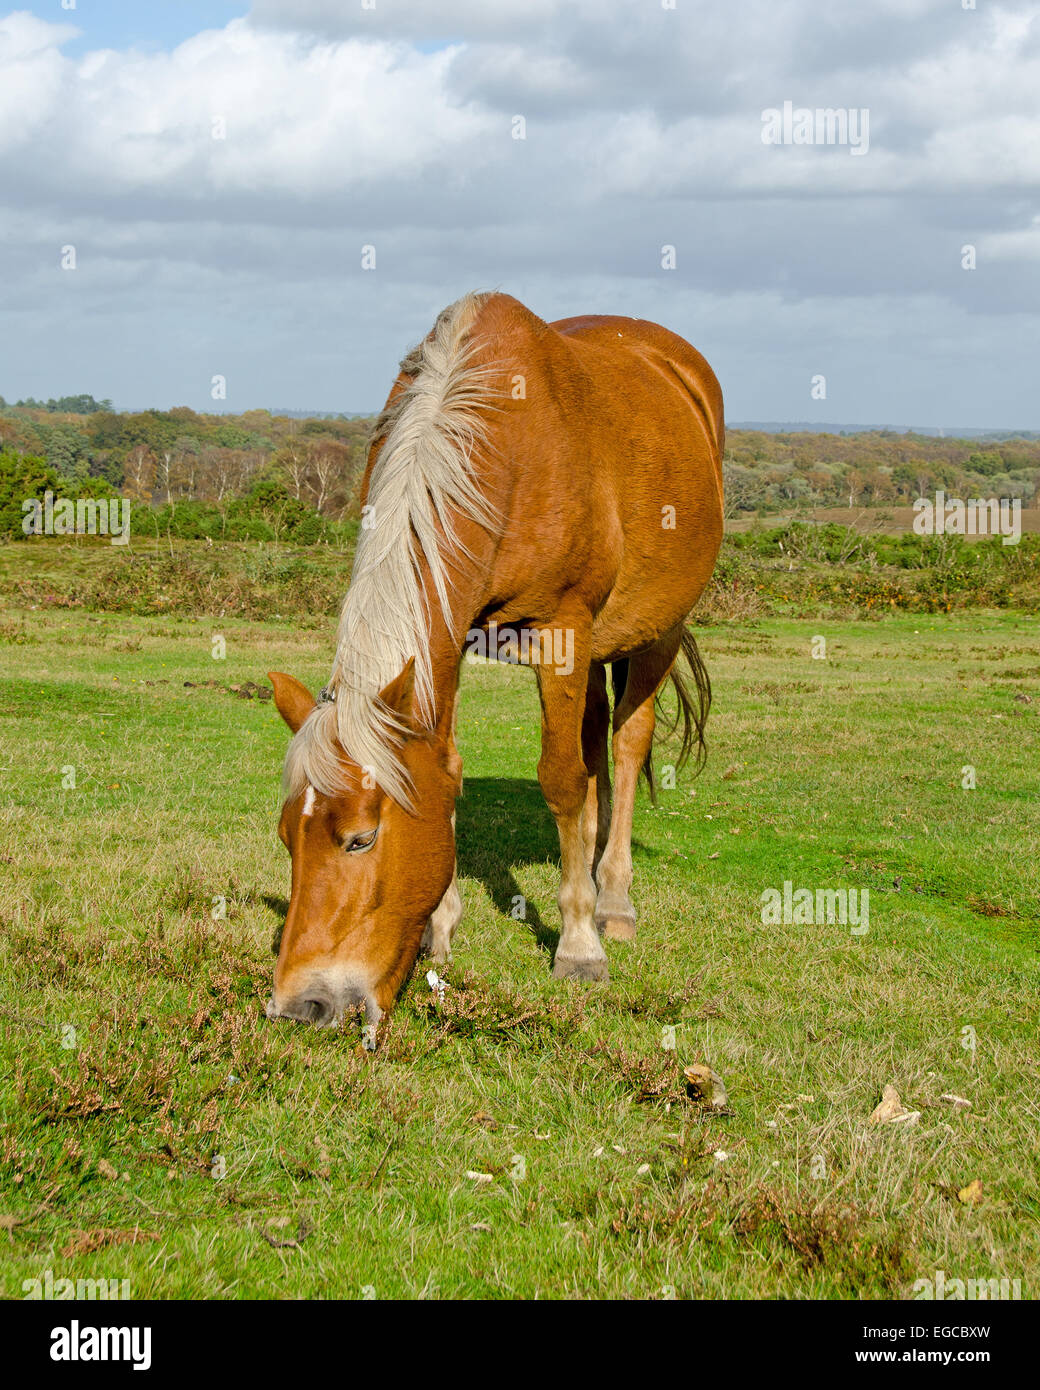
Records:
x=595, y=821
x=633, y=735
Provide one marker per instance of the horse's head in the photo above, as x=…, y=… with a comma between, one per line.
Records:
x=366, y=871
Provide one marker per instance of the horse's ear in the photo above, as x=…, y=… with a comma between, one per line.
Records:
x=293, y=699
x=399, y=695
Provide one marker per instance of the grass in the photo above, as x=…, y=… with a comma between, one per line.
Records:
x=156, y=1128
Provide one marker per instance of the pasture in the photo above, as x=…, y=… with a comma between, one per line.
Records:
x=521, y=1137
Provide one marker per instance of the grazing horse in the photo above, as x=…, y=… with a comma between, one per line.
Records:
x=560, y=482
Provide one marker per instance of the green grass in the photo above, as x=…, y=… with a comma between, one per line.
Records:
x=345, y=1170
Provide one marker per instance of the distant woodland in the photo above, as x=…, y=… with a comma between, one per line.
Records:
x=262, y=476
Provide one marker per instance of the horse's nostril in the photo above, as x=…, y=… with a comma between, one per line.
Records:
x=313, y=1010
x=319, y=1002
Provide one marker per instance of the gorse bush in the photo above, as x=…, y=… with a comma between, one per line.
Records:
x=844, y=545
x=259, y=516
x=22, y=476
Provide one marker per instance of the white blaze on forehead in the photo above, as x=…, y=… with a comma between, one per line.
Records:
x=308, y=802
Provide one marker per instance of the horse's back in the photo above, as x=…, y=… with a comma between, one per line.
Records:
x=606, y=447
x=624, y=377
x=622, y=338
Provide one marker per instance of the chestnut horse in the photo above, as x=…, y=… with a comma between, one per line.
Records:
x=561, y=482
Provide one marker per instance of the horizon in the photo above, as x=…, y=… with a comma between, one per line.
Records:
x=1002, y=432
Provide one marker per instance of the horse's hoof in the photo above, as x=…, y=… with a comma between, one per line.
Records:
x=617, y=928
x=433, y=949
x=567, y=968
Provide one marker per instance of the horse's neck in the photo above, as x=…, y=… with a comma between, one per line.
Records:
x=448, y=644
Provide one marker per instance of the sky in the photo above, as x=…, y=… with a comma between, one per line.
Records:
x=193, y=190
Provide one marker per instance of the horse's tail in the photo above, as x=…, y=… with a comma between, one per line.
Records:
x=694, y=705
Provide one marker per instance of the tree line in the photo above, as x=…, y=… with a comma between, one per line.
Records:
x=782, y=472
x=195, y=471
x=258, y=475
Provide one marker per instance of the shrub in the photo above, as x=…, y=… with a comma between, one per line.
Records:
x=22, y=476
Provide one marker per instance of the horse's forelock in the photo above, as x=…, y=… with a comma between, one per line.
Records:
x=336, y=749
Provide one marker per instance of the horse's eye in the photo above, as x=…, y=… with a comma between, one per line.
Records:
x=354, y=844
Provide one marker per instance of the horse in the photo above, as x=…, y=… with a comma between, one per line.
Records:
x=561, y=482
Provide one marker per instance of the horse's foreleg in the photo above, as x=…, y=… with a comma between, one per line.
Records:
x=565, y=784
x=446, y=916
x=633, y=735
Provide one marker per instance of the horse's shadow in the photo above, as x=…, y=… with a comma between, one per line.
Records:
x=501, y=824
x=280, y=908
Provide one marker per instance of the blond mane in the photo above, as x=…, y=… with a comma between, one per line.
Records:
x=421, y=483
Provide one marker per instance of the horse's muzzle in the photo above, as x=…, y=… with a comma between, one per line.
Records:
x=313, y=1008
x=323, y=1006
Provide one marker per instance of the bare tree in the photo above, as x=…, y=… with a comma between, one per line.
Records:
x=329, y=472
x=295, y=463
x=139, y=473
x=164, y=475
x=186, y=465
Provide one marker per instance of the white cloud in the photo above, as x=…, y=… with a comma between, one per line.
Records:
x=32, y=76
x=446, y=19
x=346, y=126
x=302, y=118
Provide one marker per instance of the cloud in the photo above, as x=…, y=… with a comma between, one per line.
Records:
x=229, y=113
x=219, y=193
